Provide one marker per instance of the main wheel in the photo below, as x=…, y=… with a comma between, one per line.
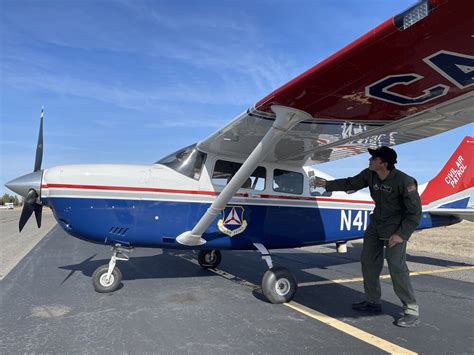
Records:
x=100, y=282
x=279, y=285
x=209, y=258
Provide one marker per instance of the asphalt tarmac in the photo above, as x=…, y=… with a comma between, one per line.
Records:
x=168, y=304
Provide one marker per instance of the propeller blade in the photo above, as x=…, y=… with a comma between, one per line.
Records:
x=39, y=146
x=28, y=208
x=25, y=215
x=38, y=210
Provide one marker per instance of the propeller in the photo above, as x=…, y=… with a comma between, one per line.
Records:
x=29, y=185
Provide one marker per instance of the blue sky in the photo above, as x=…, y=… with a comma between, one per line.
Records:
x=131, y=81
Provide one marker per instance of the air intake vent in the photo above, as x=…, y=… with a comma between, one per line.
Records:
x=118, y=230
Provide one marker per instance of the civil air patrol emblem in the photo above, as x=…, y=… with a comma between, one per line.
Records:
x=232, y=221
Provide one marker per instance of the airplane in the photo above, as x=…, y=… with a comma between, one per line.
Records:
x=247, y=186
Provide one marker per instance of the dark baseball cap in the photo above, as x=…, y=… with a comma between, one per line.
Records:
x=386, y=153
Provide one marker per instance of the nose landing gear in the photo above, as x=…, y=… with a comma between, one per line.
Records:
x=106, y=278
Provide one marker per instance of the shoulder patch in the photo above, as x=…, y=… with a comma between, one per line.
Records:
x=411, y=188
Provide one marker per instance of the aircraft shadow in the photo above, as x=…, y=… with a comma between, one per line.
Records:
x=354, y=251
x=142, y=267
x=331, y=299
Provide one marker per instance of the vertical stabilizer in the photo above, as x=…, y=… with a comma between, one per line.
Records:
x=451, y=187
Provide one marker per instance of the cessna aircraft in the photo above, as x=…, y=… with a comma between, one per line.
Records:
x=247, y=185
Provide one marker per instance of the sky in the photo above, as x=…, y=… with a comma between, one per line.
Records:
x=131, y=81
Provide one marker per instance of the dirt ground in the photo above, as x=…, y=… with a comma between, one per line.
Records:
x=455, y=240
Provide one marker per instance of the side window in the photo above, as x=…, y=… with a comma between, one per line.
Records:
x=225, y=170
x=286, y=181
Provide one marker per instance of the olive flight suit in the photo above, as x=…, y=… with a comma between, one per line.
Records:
x=397, y=211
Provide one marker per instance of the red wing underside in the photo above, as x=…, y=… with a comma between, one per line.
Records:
x=390, y=86
x=336, y=88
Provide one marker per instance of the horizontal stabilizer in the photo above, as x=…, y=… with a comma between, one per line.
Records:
x=461, y=213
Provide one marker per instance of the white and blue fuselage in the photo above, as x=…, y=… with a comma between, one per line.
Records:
x=150, y=205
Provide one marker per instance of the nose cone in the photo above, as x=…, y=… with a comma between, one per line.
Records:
x=25, y=183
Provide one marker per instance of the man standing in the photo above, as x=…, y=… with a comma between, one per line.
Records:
x=396, y=215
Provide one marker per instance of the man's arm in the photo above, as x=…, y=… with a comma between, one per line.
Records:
x=349, y=184
x=412, y=215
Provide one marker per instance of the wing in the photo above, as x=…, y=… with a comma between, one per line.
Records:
x=407, y=79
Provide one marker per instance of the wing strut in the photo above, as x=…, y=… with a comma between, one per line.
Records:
x=286, y=119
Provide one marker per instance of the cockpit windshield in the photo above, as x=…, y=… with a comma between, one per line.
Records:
x=187, y=161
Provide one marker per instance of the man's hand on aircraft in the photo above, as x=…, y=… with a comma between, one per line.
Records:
x=394, y=240
x=318, y=182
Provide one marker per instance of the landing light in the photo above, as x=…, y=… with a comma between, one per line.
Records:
x=415, y=13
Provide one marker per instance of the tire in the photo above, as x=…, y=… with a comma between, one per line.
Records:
x=279, y=285
x=209, y=258
x=99, y=282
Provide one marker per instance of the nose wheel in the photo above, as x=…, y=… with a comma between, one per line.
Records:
x=104, y=283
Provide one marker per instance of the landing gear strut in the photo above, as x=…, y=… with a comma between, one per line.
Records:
x=106, y=278
x=278, y=283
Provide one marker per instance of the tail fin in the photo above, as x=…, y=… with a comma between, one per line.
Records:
x=451, y=188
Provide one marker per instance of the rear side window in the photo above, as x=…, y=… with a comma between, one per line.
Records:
x=289, y=182
x=225, y=170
